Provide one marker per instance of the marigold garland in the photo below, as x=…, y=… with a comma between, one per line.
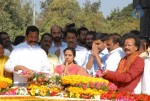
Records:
x=75, y=79
x=88, y=91
x=5, y=82
x=87, y=86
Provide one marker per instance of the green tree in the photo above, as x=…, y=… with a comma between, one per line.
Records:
x=15, y=16
x=122, y=21
x=58, y=12
x=61, y=12
x=94, y=19
x=94, y=7
x=4, y=17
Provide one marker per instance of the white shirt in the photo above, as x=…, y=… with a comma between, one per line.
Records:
x=103, y=55
x=113, y=59
x=145, y=82
x=137, y=89
x=32, y=57
x=143, y=85
x=81, y=53
x=54, y=48
x=6, y=52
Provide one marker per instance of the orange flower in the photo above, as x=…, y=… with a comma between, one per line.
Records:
x=4, y=82
x=3, y=85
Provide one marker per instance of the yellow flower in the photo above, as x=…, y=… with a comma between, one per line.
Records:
x=32, y=92
x=77, y=95
x=55, y=89
x=43, y=92
x=43, y=87
x=79, y=90
x=5, y=82
x=74, y=79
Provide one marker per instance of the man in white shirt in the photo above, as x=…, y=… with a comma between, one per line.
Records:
x=57, y=34
x=27, y=57
x=115, y=52
x=97, y=56
x=71, y=39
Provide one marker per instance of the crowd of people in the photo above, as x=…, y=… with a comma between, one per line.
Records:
x=123, y=60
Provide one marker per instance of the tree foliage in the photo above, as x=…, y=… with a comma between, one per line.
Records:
x=94, y=7
x=68, y=11
x=57, y=12
x=122, y=21
x=15, y=16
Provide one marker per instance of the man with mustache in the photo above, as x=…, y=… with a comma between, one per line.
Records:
x=7, y=43
x=27, y=58
x=130, y=68
x=114, y=43
x=81, y=36
x=97, y=56
x=89, y=38
x=46, y=43
x=71, y=39
x=57, y=34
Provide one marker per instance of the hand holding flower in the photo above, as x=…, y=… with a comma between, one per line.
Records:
x=101, y=73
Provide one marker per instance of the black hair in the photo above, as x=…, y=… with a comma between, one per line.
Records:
x=91, y=33
x=73, y=52
x=71, y=25
x=71, y=30
x=82, y=29
x=19, y=39
x=2, y=43
x=31, y=29
x=101, y=36
x=48, y=34
x=135, y=32
x=145, y=40
x=56, y=26
x=3, y=33
x=136, y=39
x=116, y=38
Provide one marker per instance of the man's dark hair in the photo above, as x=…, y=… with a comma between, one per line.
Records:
x=71, y=25
x=48, y=34
x=71, y=30
x=136, y=39
x=101, y=36
x=116, y=38
x=91, y=33
x=135, y=32
x=1, y=33
x=2, y=43
x=19, y=39
x=56, y=26
x=145, y=40
x=82, y=29
x=31, y=29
